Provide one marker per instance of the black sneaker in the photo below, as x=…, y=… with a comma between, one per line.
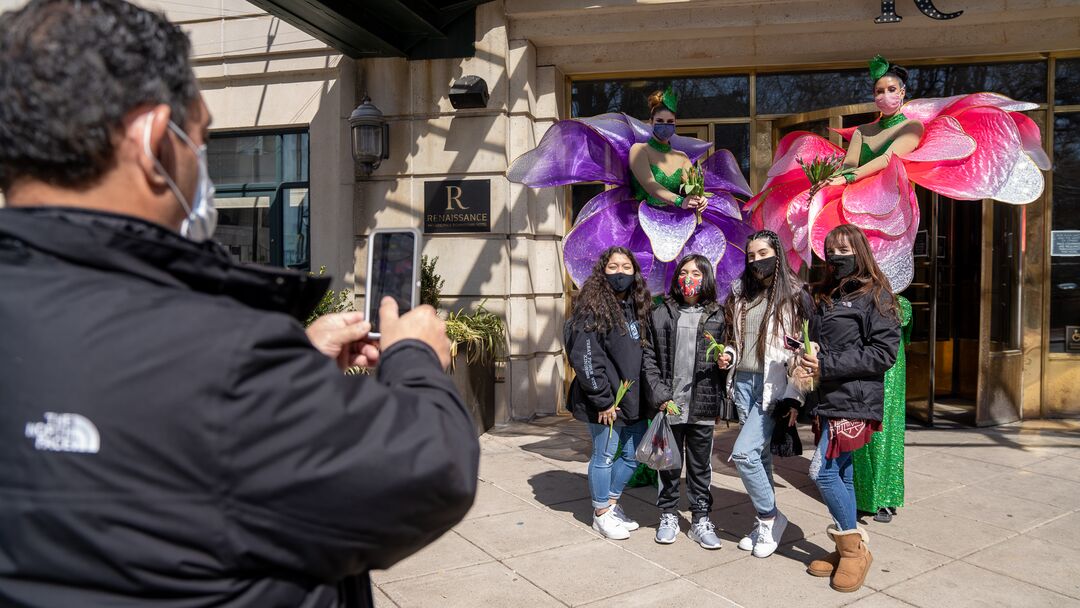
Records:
x=883, y=516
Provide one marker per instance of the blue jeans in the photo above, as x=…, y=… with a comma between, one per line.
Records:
x=608, y=475
x=751, y=453
x=835, y=480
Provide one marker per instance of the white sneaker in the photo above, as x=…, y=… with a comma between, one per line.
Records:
x=769, y=534
x=747, y=542
x=608, y=525
x=624, y=519
x=668, y=530
x=703, y=532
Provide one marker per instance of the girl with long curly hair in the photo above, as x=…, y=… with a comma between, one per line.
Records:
x=856, y=333
x=604, y=337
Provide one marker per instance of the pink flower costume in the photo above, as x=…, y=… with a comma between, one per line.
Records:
x=972, y=147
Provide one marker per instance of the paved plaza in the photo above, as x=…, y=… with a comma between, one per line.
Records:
x=992, y=519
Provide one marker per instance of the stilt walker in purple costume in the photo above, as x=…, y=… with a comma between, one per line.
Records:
x=651, y=208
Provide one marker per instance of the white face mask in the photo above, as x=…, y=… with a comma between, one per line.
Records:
x=201, y=220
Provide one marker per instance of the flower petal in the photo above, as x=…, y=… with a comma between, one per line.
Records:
x=668, y=229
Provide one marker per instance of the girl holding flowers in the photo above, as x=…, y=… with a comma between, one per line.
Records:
x=766, y=308
x=685, y=373
x=604, y=338
x=855, y=328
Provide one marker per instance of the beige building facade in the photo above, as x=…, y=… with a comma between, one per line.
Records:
x=753, y=70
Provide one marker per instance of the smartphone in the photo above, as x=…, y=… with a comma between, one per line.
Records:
x=793, y=344
x=393, y=270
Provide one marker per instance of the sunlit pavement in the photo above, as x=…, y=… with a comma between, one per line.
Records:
x=991, y=519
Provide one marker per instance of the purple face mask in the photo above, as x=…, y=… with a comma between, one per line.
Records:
x=663, y=131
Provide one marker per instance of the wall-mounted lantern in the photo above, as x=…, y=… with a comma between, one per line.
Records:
x=370, y=136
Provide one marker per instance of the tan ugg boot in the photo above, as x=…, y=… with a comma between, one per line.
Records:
x=855, y=559
x=825, y=566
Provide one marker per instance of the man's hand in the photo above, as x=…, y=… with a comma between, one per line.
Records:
x=724, y=361
x=343, y=336
x=420, y=324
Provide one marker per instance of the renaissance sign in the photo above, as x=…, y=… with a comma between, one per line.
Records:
x=462, y=205
x=926, y=7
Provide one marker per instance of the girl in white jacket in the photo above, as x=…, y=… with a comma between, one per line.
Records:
x=766, y=305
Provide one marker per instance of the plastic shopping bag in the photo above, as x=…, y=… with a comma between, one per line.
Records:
x=658, y=449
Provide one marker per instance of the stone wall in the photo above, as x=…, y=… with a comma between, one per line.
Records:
x=515, y=270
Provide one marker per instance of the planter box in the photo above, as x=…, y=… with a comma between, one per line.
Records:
x=476, y=384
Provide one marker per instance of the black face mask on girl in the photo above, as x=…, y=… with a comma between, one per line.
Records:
x=620, y=282
x=763, y=268
x=842, y=265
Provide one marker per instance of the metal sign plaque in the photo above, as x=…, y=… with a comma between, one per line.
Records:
x=462, y=205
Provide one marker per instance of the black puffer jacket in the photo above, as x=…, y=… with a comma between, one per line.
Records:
x=171, y=437
x=708, y=396
x=858, y=345
x=600, y=362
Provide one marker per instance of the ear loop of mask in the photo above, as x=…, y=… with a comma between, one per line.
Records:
x=157, y=164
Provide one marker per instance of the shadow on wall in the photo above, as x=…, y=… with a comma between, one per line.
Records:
x=487, y=266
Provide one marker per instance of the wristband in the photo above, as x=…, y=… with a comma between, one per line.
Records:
x=849, y=177
x=679, y=200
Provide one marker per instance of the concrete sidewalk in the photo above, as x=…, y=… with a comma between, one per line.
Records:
x=992, y=518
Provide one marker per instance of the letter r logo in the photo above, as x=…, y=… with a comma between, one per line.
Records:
x=453, y=197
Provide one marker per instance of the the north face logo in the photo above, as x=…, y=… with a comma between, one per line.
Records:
x=64, y=433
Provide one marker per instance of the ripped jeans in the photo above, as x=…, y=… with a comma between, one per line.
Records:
x=751, y=453
x=608, y=470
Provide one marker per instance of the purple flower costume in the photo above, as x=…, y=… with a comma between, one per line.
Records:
x=597, y=149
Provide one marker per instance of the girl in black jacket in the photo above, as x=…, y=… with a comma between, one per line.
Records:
x=856, y=333
x=604, y=339
x=681, y=378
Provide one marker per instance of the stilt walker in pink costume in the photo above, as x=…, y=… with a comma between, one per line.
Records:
x=967, y=147
x=649, y=208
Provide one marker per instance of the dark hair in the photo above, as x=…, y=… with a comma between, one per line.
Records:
x=596, y=305
x=656, y=103
x=70, y=71
x=867, y=278
x=708, y=279
x=896, y=71
x=784, y=296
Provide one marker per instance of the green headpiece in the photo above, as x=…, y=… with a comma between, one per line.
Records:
x=671, y=101
x=878, y=67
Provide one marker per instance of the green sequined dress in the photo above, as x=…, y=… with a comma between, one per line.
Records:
x=879, y=465
x=671, y=182
x=643, y=475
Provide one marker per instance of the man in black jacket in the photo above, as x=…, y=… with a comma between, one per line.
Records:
x=171, y=436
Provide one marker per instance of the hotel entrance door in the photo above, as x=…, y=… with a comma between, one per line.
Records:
x=964, y=364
